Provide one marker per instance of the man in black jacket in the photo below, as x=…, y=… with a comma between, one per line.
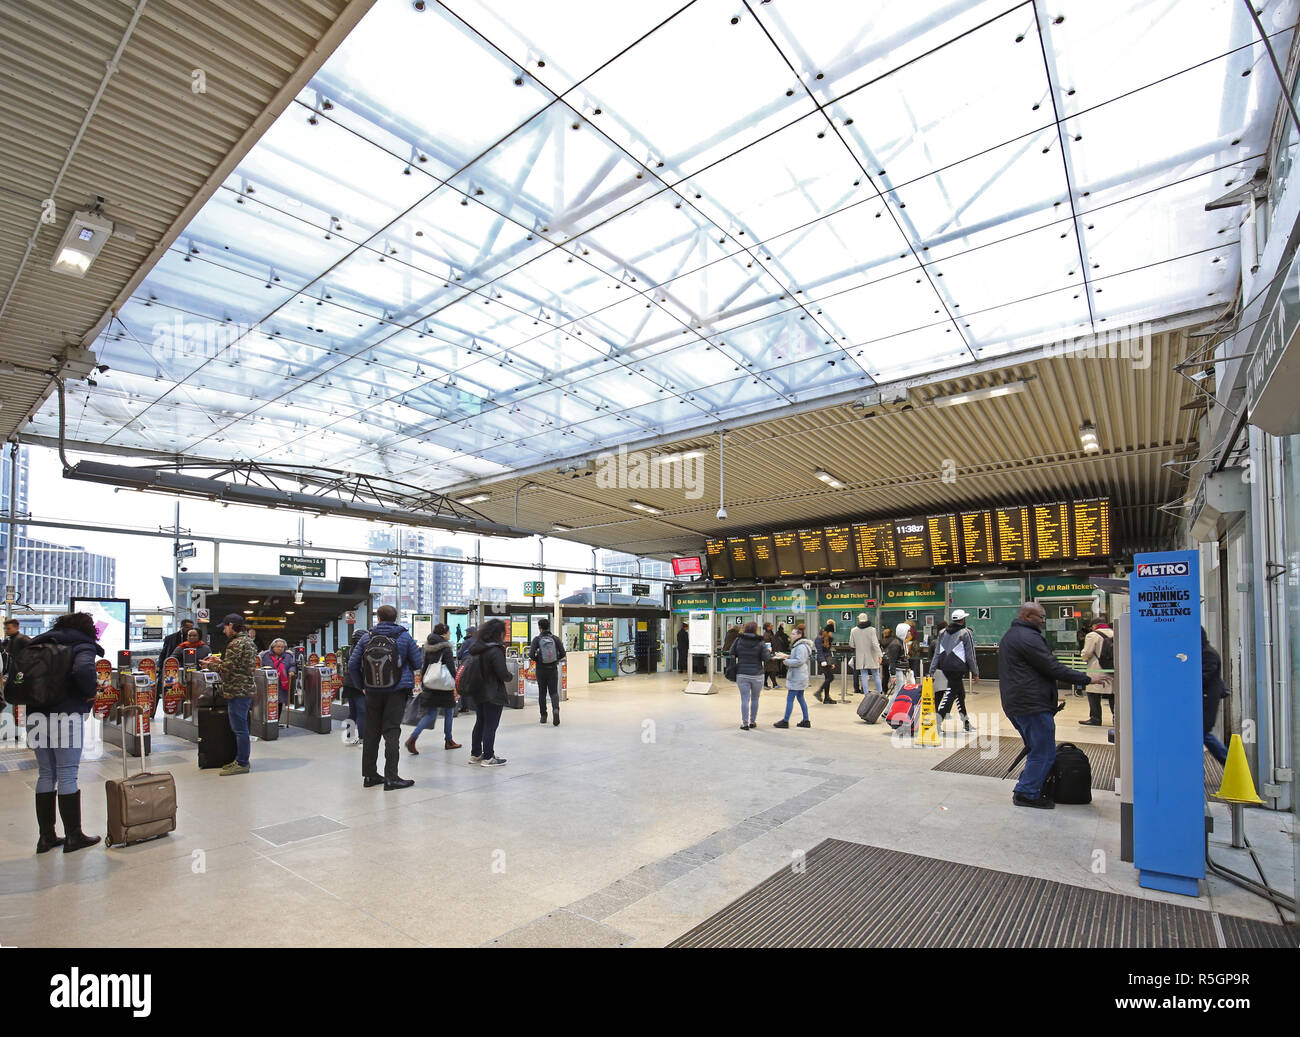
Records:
x=1027, y=676
x=548, y=673
x=175, y=639
x=683, y=648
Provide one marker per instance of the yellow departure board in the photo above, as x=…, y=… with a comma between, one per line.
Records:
x=789, y=558
x=1091, y=529
x=944, y=537
x=913, y=543
x=839, y=550
x=812, y=546
x=764, y=552
x=719, y=562
x=1013, y=537
x=742, y=563
x=977, y=538
x=873, y=544
x=1051, y=524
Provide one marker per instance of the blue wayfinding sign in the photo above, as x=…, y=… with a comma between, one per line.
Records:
x=1168, y=769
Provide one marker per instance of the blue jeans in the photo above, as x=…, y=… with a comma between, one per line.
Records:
x=357, y=704
x=1210, y=715
x=58, y=751
x=791, y=696
x=870, y=677
x=1039, y=733
x=484, y=738
x=750, y=684
x=239, y=708
x=430, y=718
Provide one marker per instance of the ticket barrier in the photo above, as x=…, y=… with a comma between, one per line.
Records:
x=124, y=729
x=200, y=685
x=312, y=704
x=264, y=716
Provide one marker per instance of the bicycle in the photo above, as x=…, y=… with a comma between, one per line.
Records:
x=627, y=657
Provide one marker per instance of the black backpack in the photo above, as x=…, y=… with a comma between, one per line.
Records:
x=1107, y=656
x=40, y=674
x=381, y=663
x=1070, y=780
x=947, y=660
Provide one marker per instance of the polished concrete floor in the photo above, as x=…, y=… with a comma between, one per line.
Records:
x=645, y=812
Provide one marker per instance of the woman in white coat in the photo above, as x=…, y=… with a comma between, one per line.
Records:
x=866, y=652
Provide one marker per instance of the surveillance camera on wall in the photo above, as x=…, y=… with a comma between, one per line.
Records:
x=722, y=514
x=807, y=586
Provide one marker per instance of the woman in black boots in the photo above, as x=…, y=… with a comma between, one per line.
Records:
x=56, y=735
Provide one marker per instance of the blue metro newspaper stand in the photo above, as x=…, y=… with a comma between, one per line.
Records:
x=1168, y=769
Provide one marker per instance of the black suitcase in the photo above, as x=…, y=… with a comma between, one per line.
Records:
x=216, y=739
x=871, y=706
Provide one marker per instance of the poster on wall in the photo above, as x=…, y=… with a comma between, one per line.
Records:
x=112, y=618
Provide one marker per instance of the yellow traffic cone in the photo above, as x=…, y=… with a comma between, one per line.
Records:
x=927, y=731
x=1237, y=785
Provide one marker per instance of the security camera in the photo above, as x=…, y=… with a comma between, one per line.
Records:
x=418, y=5
x=807, y=586
x=836, y=584
x=722, y=514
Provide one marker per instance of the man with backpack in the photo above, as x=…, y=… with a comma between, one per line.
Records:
x=546, y=653
x=954, y=657
x=383, y=664
x=1027, y=676
x=1099, y=657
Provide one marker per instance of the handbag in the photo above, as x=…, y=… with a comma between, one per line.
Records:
x=439, y=679
x=412, y=714
x=731, y=668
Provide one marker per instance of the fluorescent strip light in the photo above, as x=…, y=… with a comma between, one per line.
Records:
x=646, y=507
x=557, y=528
x=988, y=393
x=478, y=498
x=829, y=479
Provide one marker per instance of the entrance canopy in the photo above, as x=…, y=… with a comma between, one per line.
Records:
x=489, y=236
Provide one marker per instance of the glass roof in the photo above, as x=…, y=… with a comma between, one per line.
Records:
x=496, y=233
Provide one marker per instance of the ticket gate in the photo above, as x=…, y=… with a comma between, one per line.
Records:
x=264, y=716
x=199, y=684
x=312, y=705
x=124, y=730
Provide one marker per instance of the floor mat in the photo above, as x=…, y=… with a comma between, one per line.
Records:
x=990, y=758
x=850, y=895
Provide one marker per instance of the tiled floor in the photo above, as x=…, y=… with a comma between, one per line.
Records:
x=646, y=811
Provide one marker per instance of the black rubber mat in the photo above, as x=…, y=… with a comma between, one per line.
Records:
x=850, y=895
x=991, y=757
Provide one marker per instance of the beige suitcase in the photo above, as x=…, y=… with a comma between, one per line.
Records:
x=142, y=806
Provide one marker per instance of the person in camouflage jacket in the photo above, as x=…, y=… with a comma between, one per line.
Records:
x=236, y=667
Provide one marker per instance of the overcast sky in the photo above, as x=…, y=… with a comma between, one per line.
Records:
x=143, y=561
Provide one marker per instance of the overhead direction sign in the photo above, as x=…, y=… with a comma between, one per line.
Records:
x=302, y=565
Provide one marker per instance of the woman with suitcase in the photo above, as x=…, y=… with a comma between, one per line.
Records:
x=57, y=733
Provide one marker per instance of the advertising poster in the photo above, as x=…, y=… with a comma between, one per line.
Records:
x=150, y=669
x=172, y=691
x=112, y=618
x=105, y=693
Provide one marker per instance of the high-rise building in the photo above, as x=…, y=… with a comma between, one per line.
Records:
x=405, y=583
x=632, y=569
x=47, y=575
x=448, y=582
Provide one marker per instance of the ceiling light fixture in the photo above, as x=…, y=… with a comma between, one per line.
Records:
x=556, y=527
x=988, y=393
x=829, y=479
x=81, y=243
x=1088, y=437
x=648, y=508
x=478, y=498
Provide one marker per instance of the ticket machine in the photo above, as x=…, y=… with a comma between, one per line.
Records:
x=264, y=716
x=312, y=704
x=133, y=688
x=192, y=683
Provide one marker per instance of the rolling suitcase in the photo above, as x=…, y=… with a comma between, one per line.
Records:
x=871, y=706
x=906, y=705
x=140, y=807
x=216, y=739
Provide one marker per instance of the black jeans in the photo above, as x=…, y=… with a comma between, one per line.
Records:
x=1094, y=706
x=483, y=740
x=828, y=668
x=383, y=717
x=548, y=680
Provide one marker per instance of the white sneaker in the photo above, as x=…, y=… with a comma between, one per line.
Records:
x=474, y=761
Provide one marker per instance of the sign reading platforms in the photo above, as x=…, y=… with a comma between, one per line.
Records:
x=302, y=565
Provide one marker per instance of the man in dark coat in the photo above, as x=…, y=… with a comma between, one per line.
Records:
x=683, y=647
x=174, y=640
x=1027, y=676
